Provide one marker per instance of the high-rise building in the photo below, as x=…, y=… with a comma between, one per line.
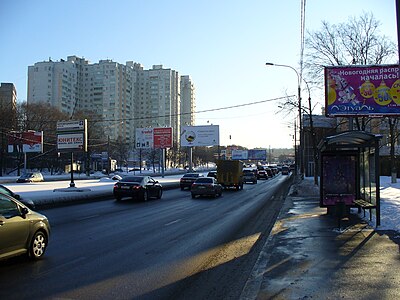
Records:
x=8, y=107
x=125, y=96
x=188, y=103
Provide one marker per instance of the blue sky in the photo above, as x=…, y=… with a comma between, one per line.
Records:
x=223, y=45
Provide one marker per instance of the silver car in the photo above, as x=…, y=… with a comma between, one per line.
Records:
x=22, y=231
x=206, y=186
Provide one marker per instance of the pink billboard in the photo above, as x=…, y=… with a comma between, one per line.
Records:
x=362, y=90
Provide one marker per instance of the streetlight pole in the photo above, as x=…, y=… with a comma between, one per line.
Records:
x=300, y=156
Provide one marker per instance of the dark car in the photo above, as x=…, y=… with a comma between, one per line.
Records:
x=206, y=186
x=137, y=187
x=212, y=174
x=250, y=175
x=31, y=177
x=22, y=231
x=188, y=179
x=285, y=170
x=262, y=173
x=25, y=201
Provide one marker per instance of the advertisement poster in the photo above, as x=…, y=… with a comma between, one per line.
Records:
x=26, y=142
x=257, y=154
x=239, y=154
x=200, y=135
x=362, y=90
x=144, y=138
x=73, y=141
x=162, y=137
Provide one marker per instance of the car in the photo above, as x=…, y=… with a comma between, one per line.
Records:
x=7, y=191
x=212, y=174
x=187, y=180
x=206, y=186
x=250, y=175
x=285, y=170
x=22, y=230
x=31, y=177
x=137, y=187
x=262, y=173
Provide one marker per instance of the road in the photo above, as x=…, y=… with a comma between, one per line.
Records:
x=173, y=248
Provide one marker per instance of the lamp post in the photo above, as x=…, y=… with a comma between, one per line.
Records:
x=300, y=156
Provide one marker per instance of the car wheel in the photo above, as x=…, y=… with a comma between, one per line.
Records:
x=118, y=198
x=182, y=188
x=145, y=196
x=159, y=194
x=193, y=196
x=38, y=245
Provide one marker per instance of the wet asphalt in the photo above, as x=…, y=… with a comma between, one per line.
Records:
x=308, y=256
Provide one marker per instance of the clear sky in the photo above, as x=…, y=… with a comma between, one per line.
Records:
x=222, y=44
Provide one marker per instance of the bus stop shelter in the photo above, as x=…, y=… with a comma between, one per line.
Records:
x=350, y=172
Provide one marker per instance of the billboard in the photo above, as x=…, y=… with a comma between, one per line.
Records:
x=254, y=154
x=72, y=135
x=162, y=137
x=144, y=138
x=362, y=90
x=207, y=135
x=30, y=141
x=239, y=154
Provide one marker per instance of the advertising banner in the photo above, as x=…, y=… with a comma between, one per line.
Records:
x=254, y=154
x=72, y=141
x=239, y=154
x=30, y=141
x=362, y=90
x=72, y=136
x=207, y=135
x=162, y=137
x=144, y=138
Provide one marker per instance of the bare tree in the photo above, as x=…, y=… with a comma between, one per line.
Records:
x=357, y=41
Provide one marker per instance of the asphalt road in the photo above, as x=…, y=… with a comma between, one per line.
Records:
x=173, y=248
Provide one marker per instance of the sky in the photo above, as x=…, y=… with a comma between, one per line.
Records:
x=222, y=44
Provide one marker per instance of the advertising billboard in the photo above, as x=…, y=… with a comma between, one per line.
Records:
x=239, y=154
x=144, y=138
x=162, y=137
x=30, y=141
x=207, y=135
x=362, y=90
x=254, y=154
x=72, y=135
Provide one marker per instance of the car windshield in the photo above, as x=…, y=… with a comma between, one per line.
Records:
x=248, y=172
x=204, y=180
x=137, y=179
x=27, y=175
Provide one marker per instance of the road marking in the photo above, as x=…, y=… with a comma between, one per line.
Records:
x=173, y=222
x=88, y=217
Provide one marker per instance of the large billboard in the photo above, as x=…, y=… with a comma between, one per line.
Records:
x=29, y=141
x=72, y=135
x=257, y=154
x=162, y=137
x=207, y=135
x=144, y=138
x=362, y=90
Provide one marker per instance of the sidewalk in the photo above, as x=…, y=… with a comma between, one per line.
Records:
x=308, y=257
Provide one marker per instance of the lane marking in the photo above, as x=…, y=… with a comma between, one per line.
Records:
x=173, y=222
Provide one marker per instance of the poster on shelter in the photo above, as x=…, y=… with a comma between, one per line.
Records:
x=362, y=90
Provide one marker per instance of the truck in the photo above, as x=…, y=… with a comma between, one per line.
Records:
x=230, y=173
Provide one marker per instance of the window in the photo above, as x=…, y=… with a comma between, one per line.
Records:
x=8, y=208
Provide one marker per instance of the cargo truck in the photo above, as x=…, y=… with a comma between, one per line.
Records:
x=230, y=173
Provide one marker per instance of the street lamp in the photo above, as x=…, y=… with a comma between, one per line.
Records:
x=299, y=108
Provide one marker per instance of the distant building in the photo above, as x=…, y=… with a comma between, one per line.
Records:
x=125, y=96
x=188, y=101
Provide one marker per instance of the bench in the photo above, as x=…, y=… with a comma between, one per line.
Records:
x=361, y=203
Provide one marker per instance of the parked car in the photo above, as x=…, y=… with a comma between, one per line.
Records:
x=206, y=186
x=25, y=201
x=212, y=174
x=250, y=175
x=137, y=187
x=22, y=231
x=187, y=180
x=31, y=177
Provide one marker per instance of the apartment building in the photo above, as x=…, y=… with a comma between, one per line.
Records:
x=125, y=96
x=188, y=101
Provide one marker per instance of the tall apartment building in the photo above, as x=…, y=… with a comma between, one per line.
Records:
x=188, y=101
x=8, y=106
x=158, y=99
x=125, y=96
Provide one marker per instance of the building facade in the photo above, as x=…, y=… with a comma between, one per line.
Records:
x=188, y=101
x=125, y=96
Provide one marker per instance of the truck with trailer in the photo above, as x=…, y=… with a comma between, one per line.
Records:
x=230, y=173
